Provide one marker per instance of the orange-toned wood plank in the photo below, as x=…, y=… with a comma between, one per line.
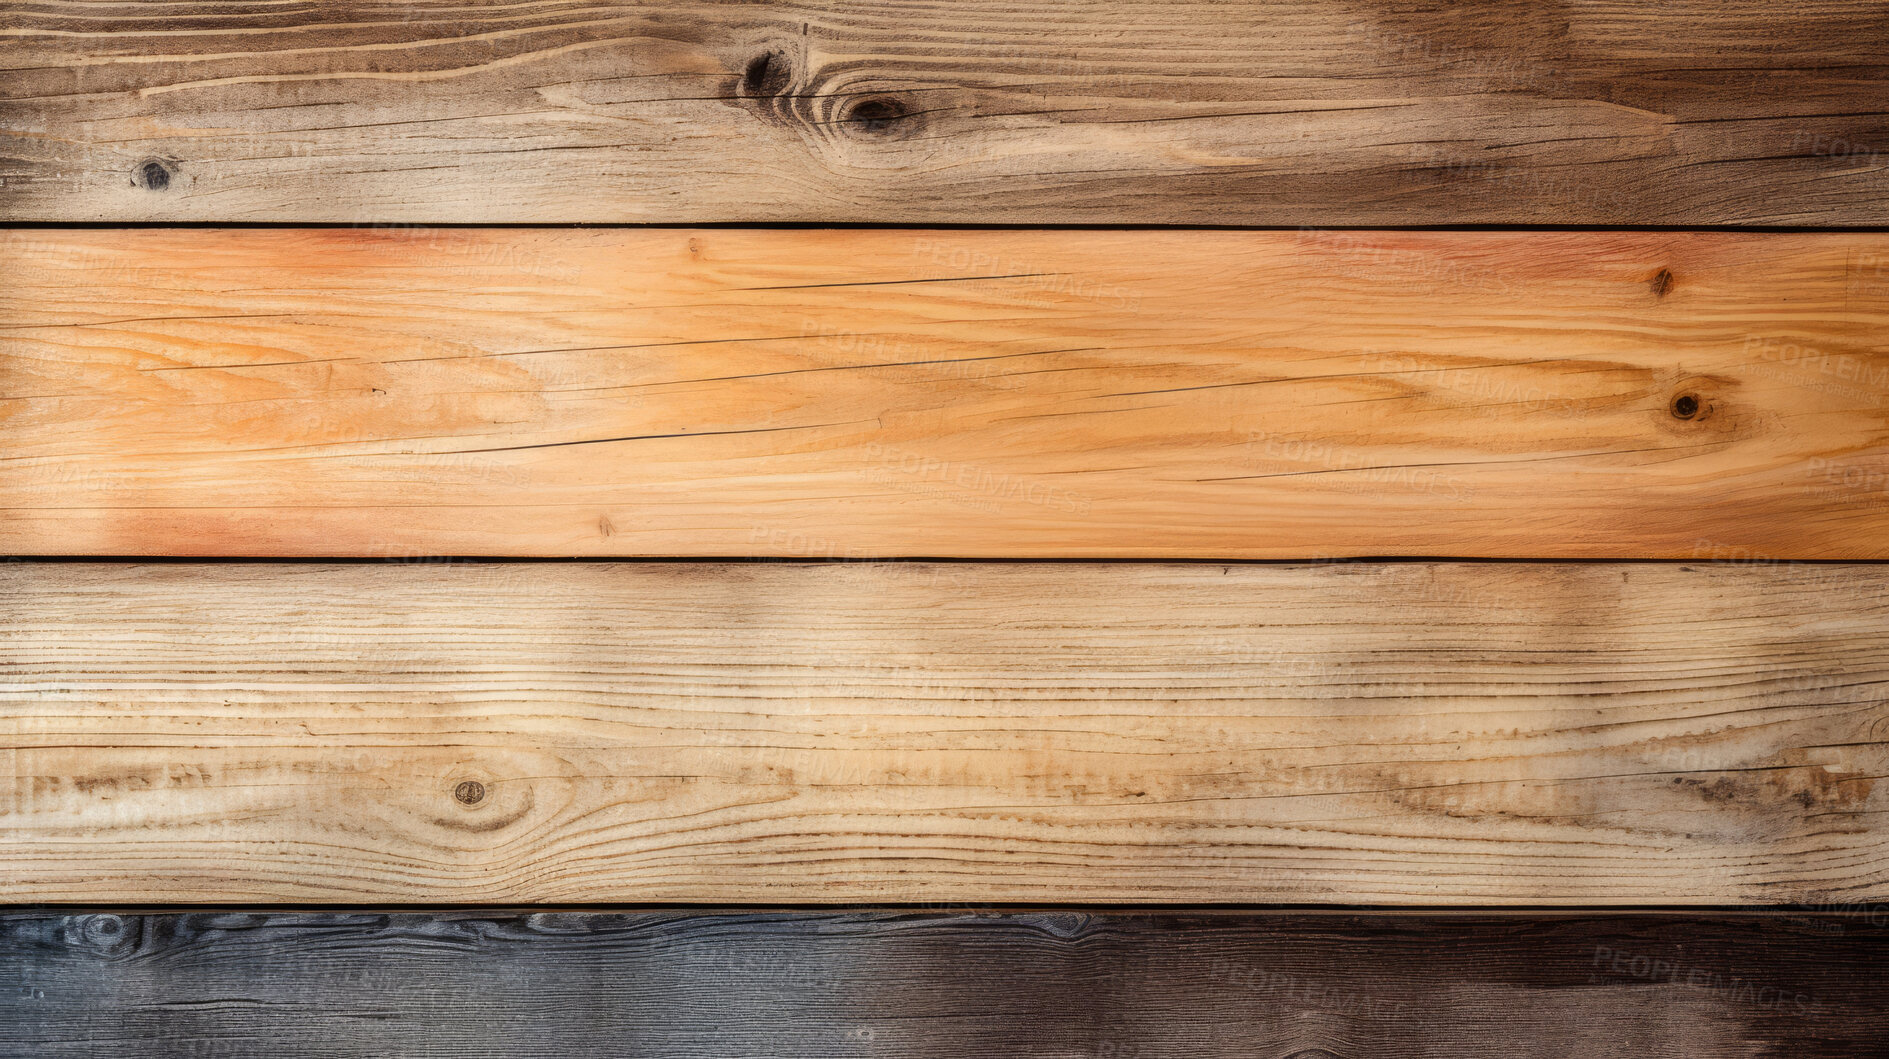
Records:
x=998, y=393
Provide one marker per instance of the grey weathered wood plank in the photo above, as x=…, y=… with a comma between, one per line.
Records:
x=1255, y=112
x=944, y=985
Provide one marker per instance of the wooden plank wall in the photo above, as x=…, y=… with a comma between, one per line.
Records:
x=1374, y=512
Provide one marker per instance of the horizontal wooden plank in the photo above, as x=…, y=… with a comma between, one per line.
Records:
x=1692, y=112
x=1532, y=734
x=1065, y=394
x=932, y=986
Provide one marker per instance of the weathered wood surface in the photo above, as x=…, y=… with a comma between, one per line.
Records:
x=945, y=986
x=1277, y=113
x=911, y=393
x=1532, y=734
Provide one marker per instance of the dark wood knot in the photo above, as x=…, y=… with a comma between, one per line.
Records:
x=767, y=74
x=104, y=934
x=1661, y=283
x=153, y=174
x=876, y=116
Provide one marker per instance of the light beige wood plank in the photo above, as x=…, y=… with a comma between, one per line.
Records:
x=322, y=392
x=1427, y=734
x=1278, y=112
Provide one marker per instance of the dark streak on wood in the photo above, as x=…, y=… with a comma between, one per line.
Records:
x=933, y=985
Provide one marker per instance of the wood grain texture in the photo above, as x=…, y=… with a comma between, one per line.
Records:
x=1039, y=985
x=1533, y=734
x=1096, y=111
x=999, y=394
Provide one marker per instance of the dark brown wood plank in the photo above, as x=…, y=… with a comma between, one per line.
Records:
x=950, y=985
x=1251, y=112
